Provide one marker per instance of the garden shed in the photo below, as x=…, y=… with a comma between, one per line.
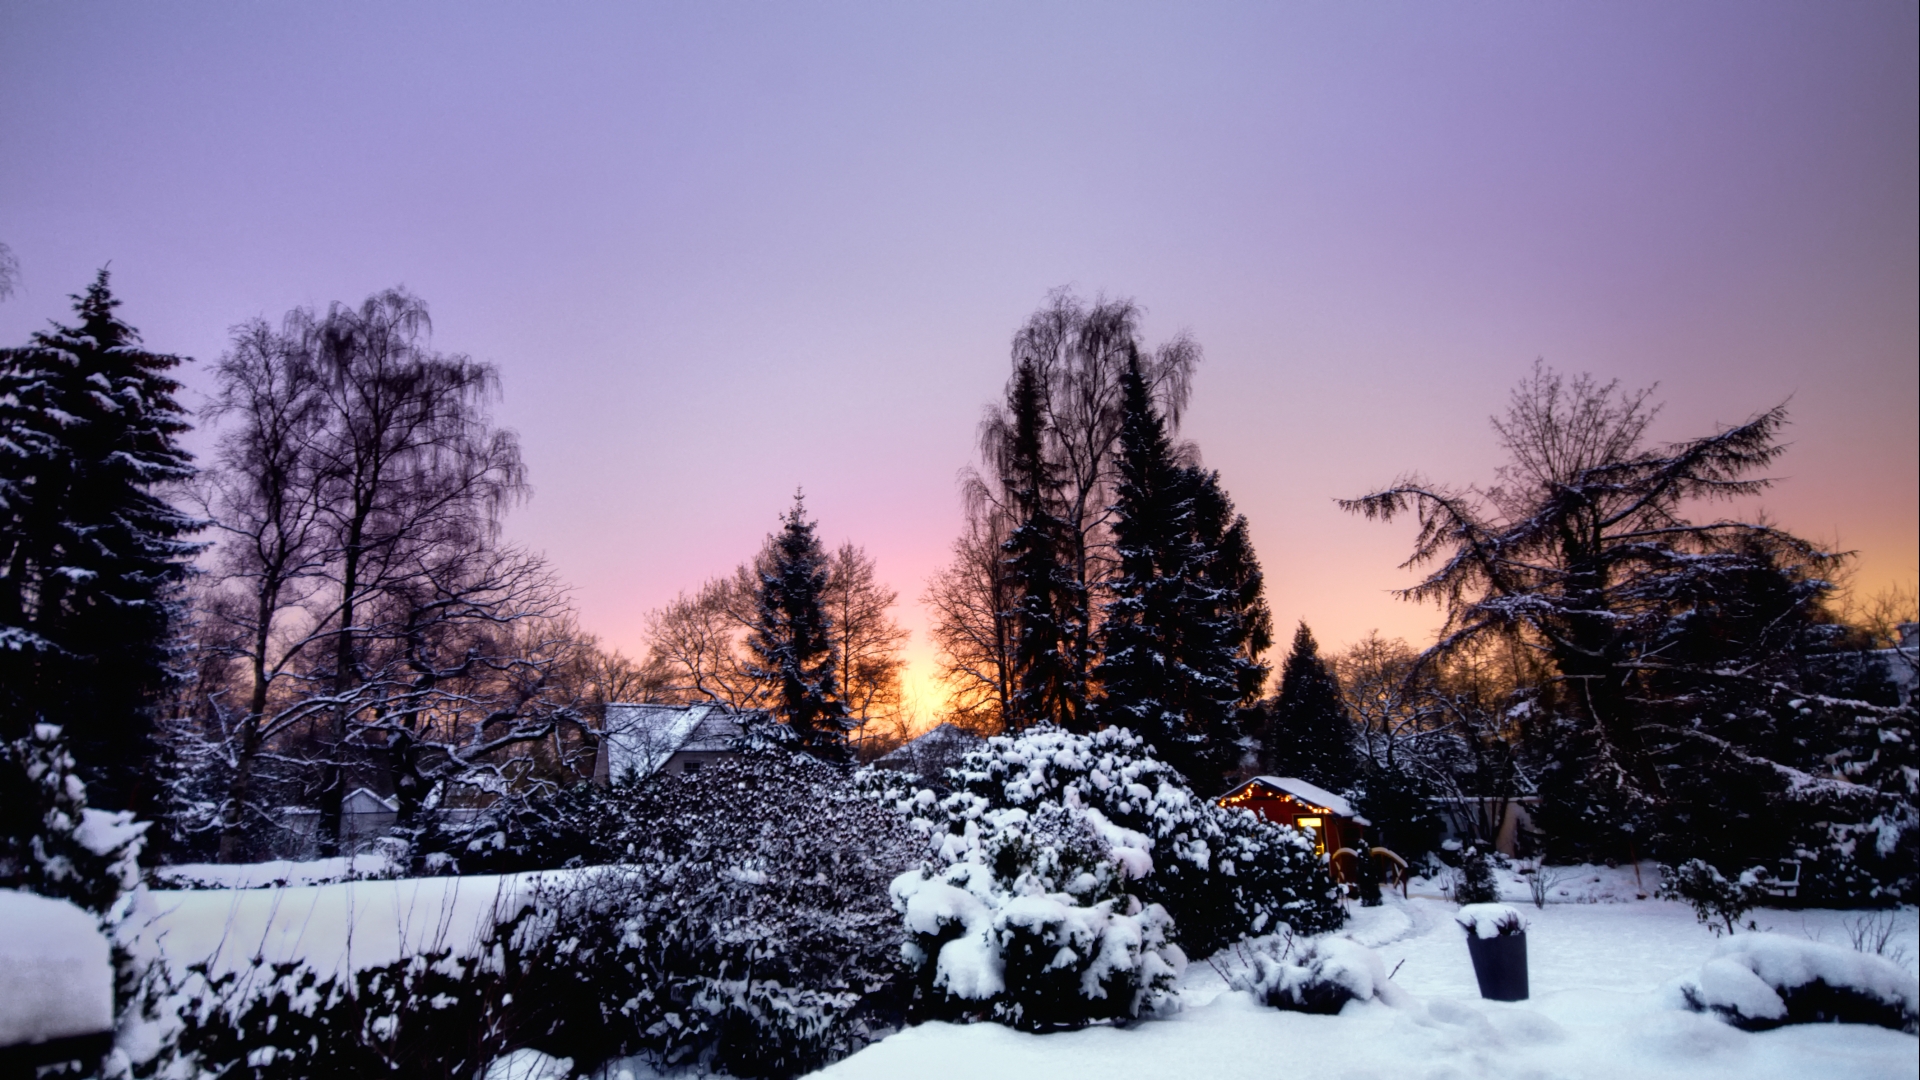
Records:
x=1292, y=801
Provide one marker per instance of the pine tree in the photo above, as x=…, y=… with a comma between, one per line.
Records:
x=1310, y=735
x=1177, y=667
x=1044, y=594
x=91, y=557
x=792, y=639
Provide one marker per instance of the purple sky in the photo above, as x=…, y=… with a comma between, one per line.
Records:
x=721, y=250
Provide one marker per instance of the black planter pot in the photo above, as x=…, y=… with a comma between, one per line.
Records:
x=1500, y=963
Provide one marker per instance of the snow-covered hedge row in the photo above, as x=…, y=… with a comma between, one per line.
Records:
x=1761, y=981
x=745, y=927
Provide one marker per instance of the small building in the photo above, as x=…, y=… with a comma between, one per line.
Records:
x=639, y=740
x=1329, y=818
x=930, y=755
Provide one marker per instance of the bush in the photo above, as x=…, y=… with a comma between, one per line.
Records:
x=747, y=928
x=1031, y=924
x=1762, y=981
x=1712, y=894
x=1221, y=874
x=1476, y=883
x=1321, y=978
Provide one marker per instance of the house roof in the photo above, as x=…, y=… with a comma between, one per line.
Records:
x=931, y=753
x=363, y=801
x=1307, y=793
x=641, y=737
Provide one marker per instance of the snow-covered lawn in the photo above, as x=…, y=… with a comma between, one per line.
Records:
x=352, y=925
x=1602, y=1005
x=1603, y=967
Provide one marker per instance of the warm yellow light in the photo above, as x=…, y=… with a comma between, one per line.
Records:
x=1311, y=822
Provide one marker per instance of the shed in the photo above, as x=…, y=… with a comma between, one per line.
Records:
x=1329, y=818
x=643, y=739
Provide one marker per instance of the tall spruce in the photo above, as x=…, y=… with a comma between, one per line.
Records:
x=91, y=555
x=792, y=638
x=1046, y=605
x=1310, y=735
x=1177, y=667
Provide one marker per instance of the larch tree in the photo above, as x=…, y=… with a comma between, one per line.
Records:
x=92, y=555
x=792, y=638
x=1310, y=734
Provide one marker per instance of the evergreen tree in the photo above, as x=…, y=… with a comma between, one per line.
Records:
x=1045, y=597
x=91, y=557
x=1310, y=735
x=1177, y=664
x=792, y=638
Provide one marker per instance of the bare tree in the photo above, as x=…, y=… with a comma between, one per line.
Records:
x=972, y=629
x=264, y=496
x=384, y=631
x=866, y=637
x=696, y=647
x=1078, y=354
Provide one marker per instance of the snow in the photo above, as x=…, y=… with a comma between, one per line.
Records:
x=1310, y=793
x=275, y=873
x=529, y=1065
x=1490, y=920
x=56, y=974
x=1603, y=971
x=337, y=928
x=1748, y=973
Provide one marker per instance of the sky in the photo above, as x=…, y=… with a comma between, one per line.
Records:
x=722, y=251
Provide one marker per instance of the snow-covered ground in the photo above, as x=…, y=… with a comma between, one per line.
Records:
x=351, y=925
x=1602, y=967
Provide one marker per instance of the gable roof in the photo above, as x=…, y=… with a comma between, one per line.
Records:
x=641, y=737
x=932, y=753
x=1306, y=793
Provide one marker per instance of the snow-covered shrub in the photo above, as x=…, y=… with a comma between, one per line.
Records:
x=1031, y=925
x=54, y=844
x=543, y=829
x=747, y=926
x=1221, y=874
x=1761, y=981
x=1321, y=978
x=424, y=1016
x=1712, y=894
x=1476, y=883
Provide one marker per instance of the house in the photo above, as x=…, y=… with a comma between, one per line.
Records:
x=932, y=754
x=639, y=740
x=1329, y=818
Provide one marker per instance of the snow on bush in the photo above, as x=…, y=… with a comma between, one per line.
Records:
x=1221, y=874
x=1321, y=978
x=1712, y=894
x=1030, y=949
x=1761, y=981
x=747, y=926
x=1476, y=883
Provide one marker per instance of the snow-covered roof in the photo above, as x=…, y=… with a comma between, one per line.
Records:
x=1309, y=793
x=363, y=801
x=642, y=737
x=932, y=753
